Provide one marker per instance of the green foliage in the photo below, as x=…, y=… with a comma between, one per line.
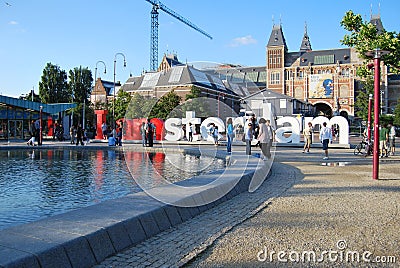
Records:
x=365, y=37
x=121, y=104
x=396, y=120
x=28, y=97
x=165, y=105
x=80, y=84
x=196, y=103
x=53, y=86
x=385, y=119
x=361, y=102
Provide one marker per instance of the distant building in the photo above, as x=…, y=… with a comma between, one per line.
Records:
x=103, y=91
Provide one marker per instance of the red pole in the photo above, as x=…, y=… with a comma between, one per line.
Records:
x=369, y=117
x=377, y=74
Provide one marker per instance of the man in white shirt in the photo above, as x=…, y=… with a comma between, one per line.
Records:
x=325, y=136
x=392, y=137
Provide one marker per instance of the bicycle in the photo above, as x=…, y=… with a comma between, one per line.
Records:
x=364, y=147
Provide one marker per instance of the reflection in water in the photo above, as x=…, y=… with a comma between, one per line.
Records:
x=39, y=183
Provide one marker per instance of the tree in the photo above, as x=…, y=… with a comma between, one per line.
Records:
x=364, y=37
x=194, y=102
x=53, y=86
x=80, y=84
x=362, y=99
x=165, y=105
x=79, y=87
x=28, y=97
x=396, y=114
x=121, y=104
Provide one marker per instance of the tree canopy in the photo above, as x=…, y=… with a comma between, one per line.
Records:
x=53, y=87
x=364, y=36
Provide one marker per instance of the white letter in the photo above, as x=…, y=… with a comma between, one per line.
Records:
x=264, y=253
x=295, y=129
x=204, y=126
x=174, y=132
x=281, y=255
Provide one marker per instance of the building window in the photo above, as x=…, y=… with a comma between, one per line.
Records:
x=324, y=59
x=275, y=78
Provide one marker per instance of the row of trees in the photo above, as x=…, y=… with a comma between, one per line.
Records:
x=364, y=37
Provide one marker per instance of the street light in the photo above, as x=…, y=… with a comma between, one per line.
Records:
x=115, y=63
x=40, y=125
x=376, y=54
x=95, y=78
x=223, y=96
x=369, y=118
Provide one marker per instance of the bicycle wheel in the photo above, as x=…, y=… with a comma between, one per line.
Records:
x=359, y=149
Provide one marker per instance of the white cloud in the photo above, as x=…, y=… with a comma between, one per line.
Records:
x=13, y=22
x=243, y=41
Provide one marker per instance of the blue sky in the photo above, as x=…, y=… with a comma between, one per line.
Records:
x=75, y=32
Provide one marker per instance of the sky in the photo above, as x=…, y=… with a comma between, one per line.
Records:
x=83, y=32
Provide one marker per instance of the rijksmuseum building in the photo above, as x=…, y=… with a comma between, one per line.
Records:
x=324, y=80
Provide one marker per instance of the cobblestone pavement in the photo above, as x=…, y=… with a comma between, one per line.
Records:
x=303, y=203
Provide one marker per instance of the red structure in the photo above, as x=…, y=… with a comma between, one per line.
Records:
x=101, y=117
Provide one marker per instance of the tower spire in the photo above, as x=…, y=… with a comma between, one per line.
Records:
x=305, y=43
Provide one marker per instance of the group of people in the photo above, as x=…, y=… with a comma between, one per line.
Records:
x=112, y=135
x=147, y=131
x=34, y=133
x=325, y=136
x=387, y=136
x=263, y=132
x=79, y=134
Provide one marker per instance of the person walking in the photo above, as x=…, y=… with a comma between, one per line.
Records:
x=263, y=138
x=325, y=136
x=215, y=135
x=248, y=136
x=383, y=141
x=392, y=137
x=229, y=135
x=79, y=135
x=307, y=133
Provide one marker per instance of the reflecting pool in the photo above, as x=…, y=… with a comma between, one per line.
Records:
x=36, y=184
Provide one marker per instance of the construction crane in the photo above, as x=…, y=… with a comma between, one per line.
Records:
x=154, y=29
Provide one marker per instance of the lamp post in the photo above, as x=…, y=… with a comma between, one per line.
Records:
x=40, y=126
x=376, y=54
x=115, y=63
x=369, y=118
x=95, y=78
x=223, y=96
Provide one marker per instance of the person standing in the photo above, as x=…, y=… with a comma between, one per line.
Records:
x=248, y=136
x=72, y=133
x=307, y=133
x=392, y=137
x=229, y=135
x=190, y=130
x=383, y=140
x=143, y=134
x=325, y=136
x=79, y=135
x=119, y=137
x=271, y=134
x=32, y=133
x=104, y=130
x=263, y=138
x=149, y=132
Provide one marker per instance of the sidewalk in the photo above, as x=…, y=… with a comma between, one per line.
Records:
x=305, y=205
